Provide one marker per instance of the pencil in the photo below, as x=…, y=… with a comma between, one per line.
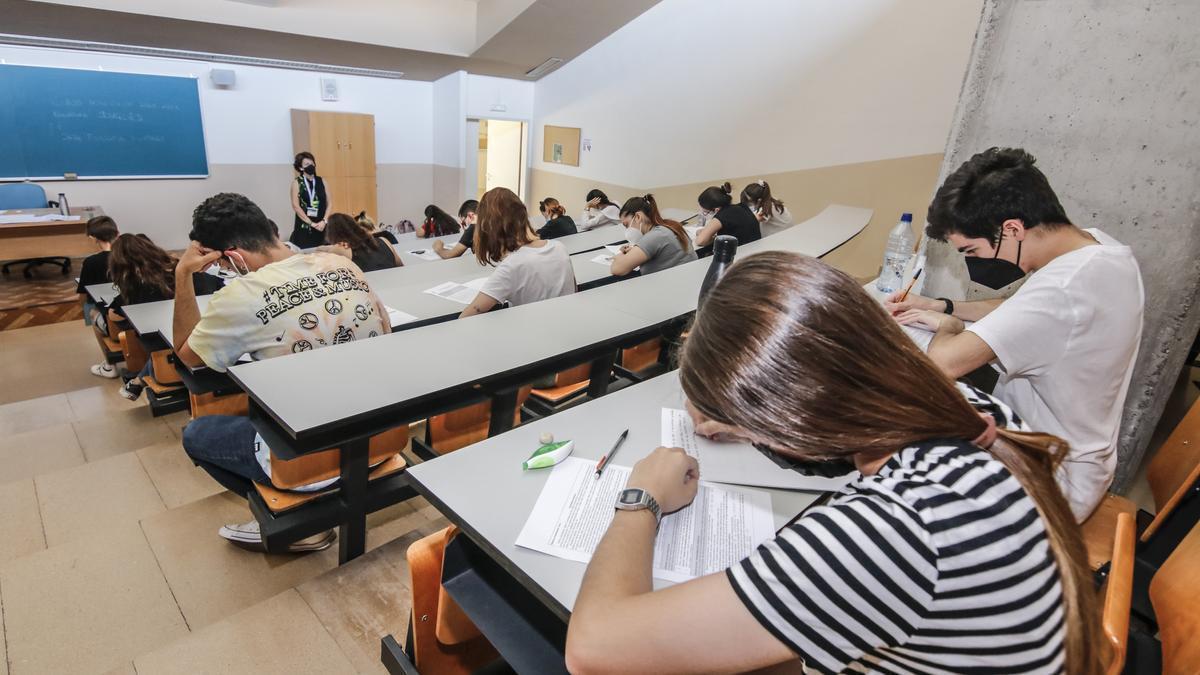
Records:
x=916, y=275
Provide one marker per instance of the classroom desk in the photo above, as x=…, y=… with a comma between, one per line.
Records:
x=46, y=239
x=102, y=293
x=591, y=240
x=412, y=243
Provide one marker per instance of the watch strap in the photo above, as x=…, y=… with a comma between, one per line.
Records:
x=949, y=305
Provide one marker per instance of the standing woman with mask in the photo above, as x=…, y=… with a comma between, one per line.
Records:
x=722, y=216
x=310, y=201
x=599, y=212
x=654, y=242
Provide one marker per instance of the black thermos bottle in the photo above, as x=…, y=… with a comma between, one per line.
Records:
x=724, y=249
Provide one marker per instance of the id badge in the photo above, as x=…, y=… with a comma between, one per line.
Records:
x=313, y=211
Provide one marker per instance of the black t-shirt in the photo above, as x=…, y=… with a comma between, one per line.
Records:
x=369, y=260
x=93, y=271
x=386, y=236
x=739, y=221
x=468, y=238
x=558, y=227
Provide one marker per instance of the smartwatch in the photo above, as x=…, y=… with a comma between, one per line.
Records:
x=637, y=499
x=949, y=305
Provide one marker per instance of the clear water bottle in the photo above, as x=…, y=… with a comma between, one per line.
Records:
x=895, y=258
x=63, y=208
x=724, y=250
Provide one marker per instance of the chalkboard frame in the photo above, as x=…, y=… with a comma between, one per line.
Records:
x=68, y=177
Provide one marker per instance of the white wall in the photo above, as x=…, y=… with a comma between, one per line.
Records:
x=248, y=135
x=695, y=90
x=484, y=93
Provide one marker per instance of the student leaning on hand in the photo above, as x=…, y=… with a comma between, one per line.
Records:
x=908, y=568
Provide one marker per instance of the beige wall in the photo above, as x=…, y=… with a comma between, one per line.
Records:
x=162, y=209
x=889, y=186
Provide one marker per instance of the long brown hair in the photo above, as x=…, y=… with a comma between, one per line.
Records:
x=813, y=363
x=503, y=226
x=757, y=195
x=343, y=229
x=646, y=206
x=438, y=222
x=136, y=262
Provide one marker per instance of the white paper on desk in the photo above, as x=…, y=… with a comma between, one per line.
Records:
x=919, y=335
x=43, y=218
x=462, y=293
x=614, y=248
x=603, y=259
x=736, y=463
x=693, y=230
x=425, y=254
x=722, y=526
x=397, y=318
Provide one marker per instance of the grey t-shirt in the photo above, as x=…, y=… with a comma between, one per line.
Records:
x=530, y=274
x=661, y=244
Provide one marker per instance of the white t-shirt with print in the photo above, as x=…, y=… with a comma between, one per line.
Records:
x=530, y=274
x=1065, y=344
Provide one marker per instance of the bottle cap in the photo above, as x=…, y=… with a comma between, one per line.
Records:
x=724, y=247
x=907, y=217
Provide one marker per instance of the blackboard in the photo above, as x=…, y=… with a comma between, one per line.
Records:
x=98, y=124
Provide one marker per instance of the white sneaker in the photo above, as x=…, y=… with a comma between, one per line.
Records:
x=105, y=370
x=248, y=536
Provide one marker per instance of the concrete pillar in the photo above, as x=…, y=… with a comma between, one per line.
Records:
x=1106, y=95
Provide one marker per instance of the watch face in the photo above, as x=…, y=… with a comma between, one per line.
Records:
x=630, y=496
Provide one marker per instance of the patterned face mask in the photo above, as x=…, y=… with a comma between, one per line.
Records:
x=824, y=468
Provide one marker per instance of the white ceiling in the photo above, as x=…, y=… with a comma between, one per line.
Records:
x=456, y=27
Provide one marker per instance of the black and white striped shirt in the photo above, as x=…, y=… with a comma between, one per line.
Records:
x=938, y=563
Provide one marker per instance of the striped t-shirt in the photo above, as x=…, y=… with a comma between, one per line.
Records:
x=937, y=563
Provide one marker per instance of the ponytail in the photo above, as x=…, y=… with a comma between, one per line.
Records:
x=758, y=197
x=647, y=206
x=713, y=198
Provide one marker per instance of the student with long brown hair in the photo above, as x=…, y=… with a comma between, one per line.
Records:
x=558, y=223
x=655, y=243
x=437, y=223
x=722, y=216
x=528, y=269
x=770, y=211
x=952, y=551
x=348, y=238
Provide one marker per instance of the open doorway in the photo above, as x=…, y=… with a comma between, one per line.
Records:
x=496, y=156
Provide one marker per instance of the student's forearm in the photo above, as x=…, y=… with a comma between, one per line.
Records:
x=975, y=310
x=187, y=312
x=620, y=568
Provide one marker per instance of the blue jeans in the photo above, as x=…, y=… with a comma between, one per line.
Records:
x=223, y=445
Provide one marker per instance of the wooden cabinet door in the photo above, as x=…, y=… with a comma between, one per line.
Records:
x=360, y=195
x=358, y=135
x=327, y=145
x=335, y=186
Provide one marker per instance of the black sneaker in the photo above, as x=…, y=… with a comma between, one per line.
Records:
x=132, y=390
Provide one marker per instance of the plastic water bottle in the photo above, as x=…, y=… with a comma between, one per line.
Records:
x=724, y=250
x=63, y=208
x=895, y=258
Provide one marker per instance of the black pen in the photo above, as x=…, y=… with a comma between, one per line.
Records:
x=604, y=460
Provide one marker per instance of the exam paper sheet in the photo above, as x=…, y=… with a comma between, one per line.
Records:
x=462, y=293
x=737, y=463
x=722, y=526
x=425, y=254
x=397, y=318
x=603, y=259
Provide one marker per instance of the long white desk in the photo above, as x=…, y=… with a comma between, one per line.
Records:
x=396, y=367
x=483, y=488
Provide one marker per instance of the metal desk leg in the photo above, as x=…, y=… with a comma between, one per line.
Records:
x=504, y=408
x=600, y=375
x=352, y=533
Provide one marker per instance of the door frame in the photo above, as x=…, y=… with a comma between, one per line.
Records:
x=471, y=168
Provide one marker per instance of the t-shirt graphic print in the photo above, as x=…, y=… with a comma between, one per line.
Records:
x=304, y=302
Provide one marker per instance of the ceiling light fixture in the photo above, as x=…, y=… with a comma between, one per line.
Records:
x=547, y=66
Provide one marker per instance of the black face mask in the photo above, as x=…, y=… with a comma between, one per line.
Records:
x=311, y=169
x=994, y=272
x=822, y=468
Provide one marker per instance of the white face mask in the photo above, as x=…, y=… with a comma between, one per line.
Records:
x=633, y=234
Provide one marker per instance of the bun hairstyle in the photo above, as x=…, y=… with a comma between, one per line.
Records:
x=647, y=206
x=365, y=221
x=714, y=197
x=758, y=197
x=300, y=157
x=551, y=207
x=599, y=194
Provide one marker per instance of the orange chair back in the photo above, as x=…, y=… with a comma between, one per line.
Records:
x=445, y=641
x=575, y=375
x=1174, y=591
x=641, y=357
x=327, y=464
x=1174, y=469
x=133, y=350
x=1119, y=592
x=164, y=370
x=459, y=428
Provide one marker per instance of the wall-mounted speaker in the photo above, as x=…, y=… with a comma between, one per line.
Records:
x=329, y=90
x=223, y=77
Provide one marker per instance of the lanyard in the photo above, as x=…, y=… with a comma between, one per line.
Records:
x=309, y=189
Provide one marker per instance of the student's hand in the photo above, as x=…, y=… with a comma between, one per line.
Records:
x=625, y=248
x=195, y=259
x=438, y=246
x=913, y=301
x=594, y=203
x=670, y=475
x=936, y=322
x=713, y=430
x=762, y=217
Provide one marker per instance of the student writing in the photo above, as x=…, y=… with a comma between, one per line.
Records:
x=528, y=269
x=722, y=216
x=558, y=223
x=466, y=216
x=347, y=238
x=770, y=211
x=1066, y=342
x=654, y=242
x=599, y=212
x=952, y=551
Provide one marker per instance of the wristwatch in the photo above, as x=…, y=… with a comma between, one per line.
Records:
x=949, y=305
x=637, y=499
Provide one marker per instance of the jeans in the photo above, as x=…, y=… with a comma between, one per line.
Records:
x=223, y=445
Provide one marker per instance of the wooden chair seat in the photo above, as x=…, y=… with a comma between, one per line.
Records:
x=159, y=388
x=1173, y=591
x=1099, y=530
x=284, y=500
x=164, y=371
x=444, y=639
x=557, y=394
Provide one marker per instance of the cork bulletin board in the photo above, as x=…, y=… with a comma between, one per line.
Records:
x=560, y=145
